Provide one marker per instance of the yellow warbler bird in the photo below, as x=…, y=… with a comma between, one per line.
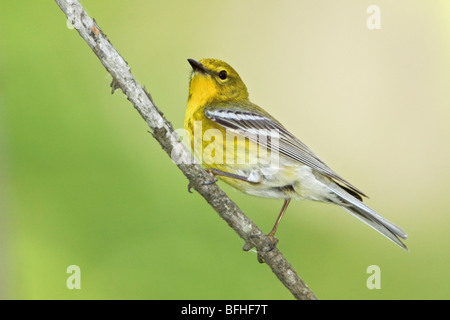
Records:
x=246, y=147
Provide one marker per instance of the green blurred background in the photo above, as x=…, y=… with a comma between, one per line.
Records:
x=83, y=183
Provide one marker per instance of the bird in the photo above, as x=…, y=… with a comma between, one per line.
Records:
x=241, y=144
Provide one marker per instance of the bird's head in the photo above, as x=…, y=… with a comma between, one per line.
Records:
x=215, y=81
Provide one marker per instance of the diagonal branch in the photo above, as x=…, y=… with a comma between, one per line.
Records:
x=164, y=133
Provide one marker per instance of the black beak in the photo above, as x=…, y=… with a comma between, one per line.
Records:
x=197, y=66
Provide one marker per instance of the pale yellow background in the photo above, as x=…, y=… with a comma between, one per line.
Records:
x=83, y=183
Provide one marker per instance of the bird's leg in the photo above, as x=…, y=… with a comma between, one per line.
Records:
x=271, y=235
x=274, y=229
x=217, y=172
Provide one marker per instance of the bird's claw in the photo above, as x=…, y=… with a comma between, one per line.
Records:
x=248, y=246
x=190, y=186
x=210, y=182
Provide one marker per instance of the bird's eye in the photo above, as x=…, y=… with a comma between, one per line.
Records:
x=223, y=74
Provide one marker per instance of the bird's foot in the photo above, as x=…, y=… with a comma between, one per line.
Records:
x=260, y=252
